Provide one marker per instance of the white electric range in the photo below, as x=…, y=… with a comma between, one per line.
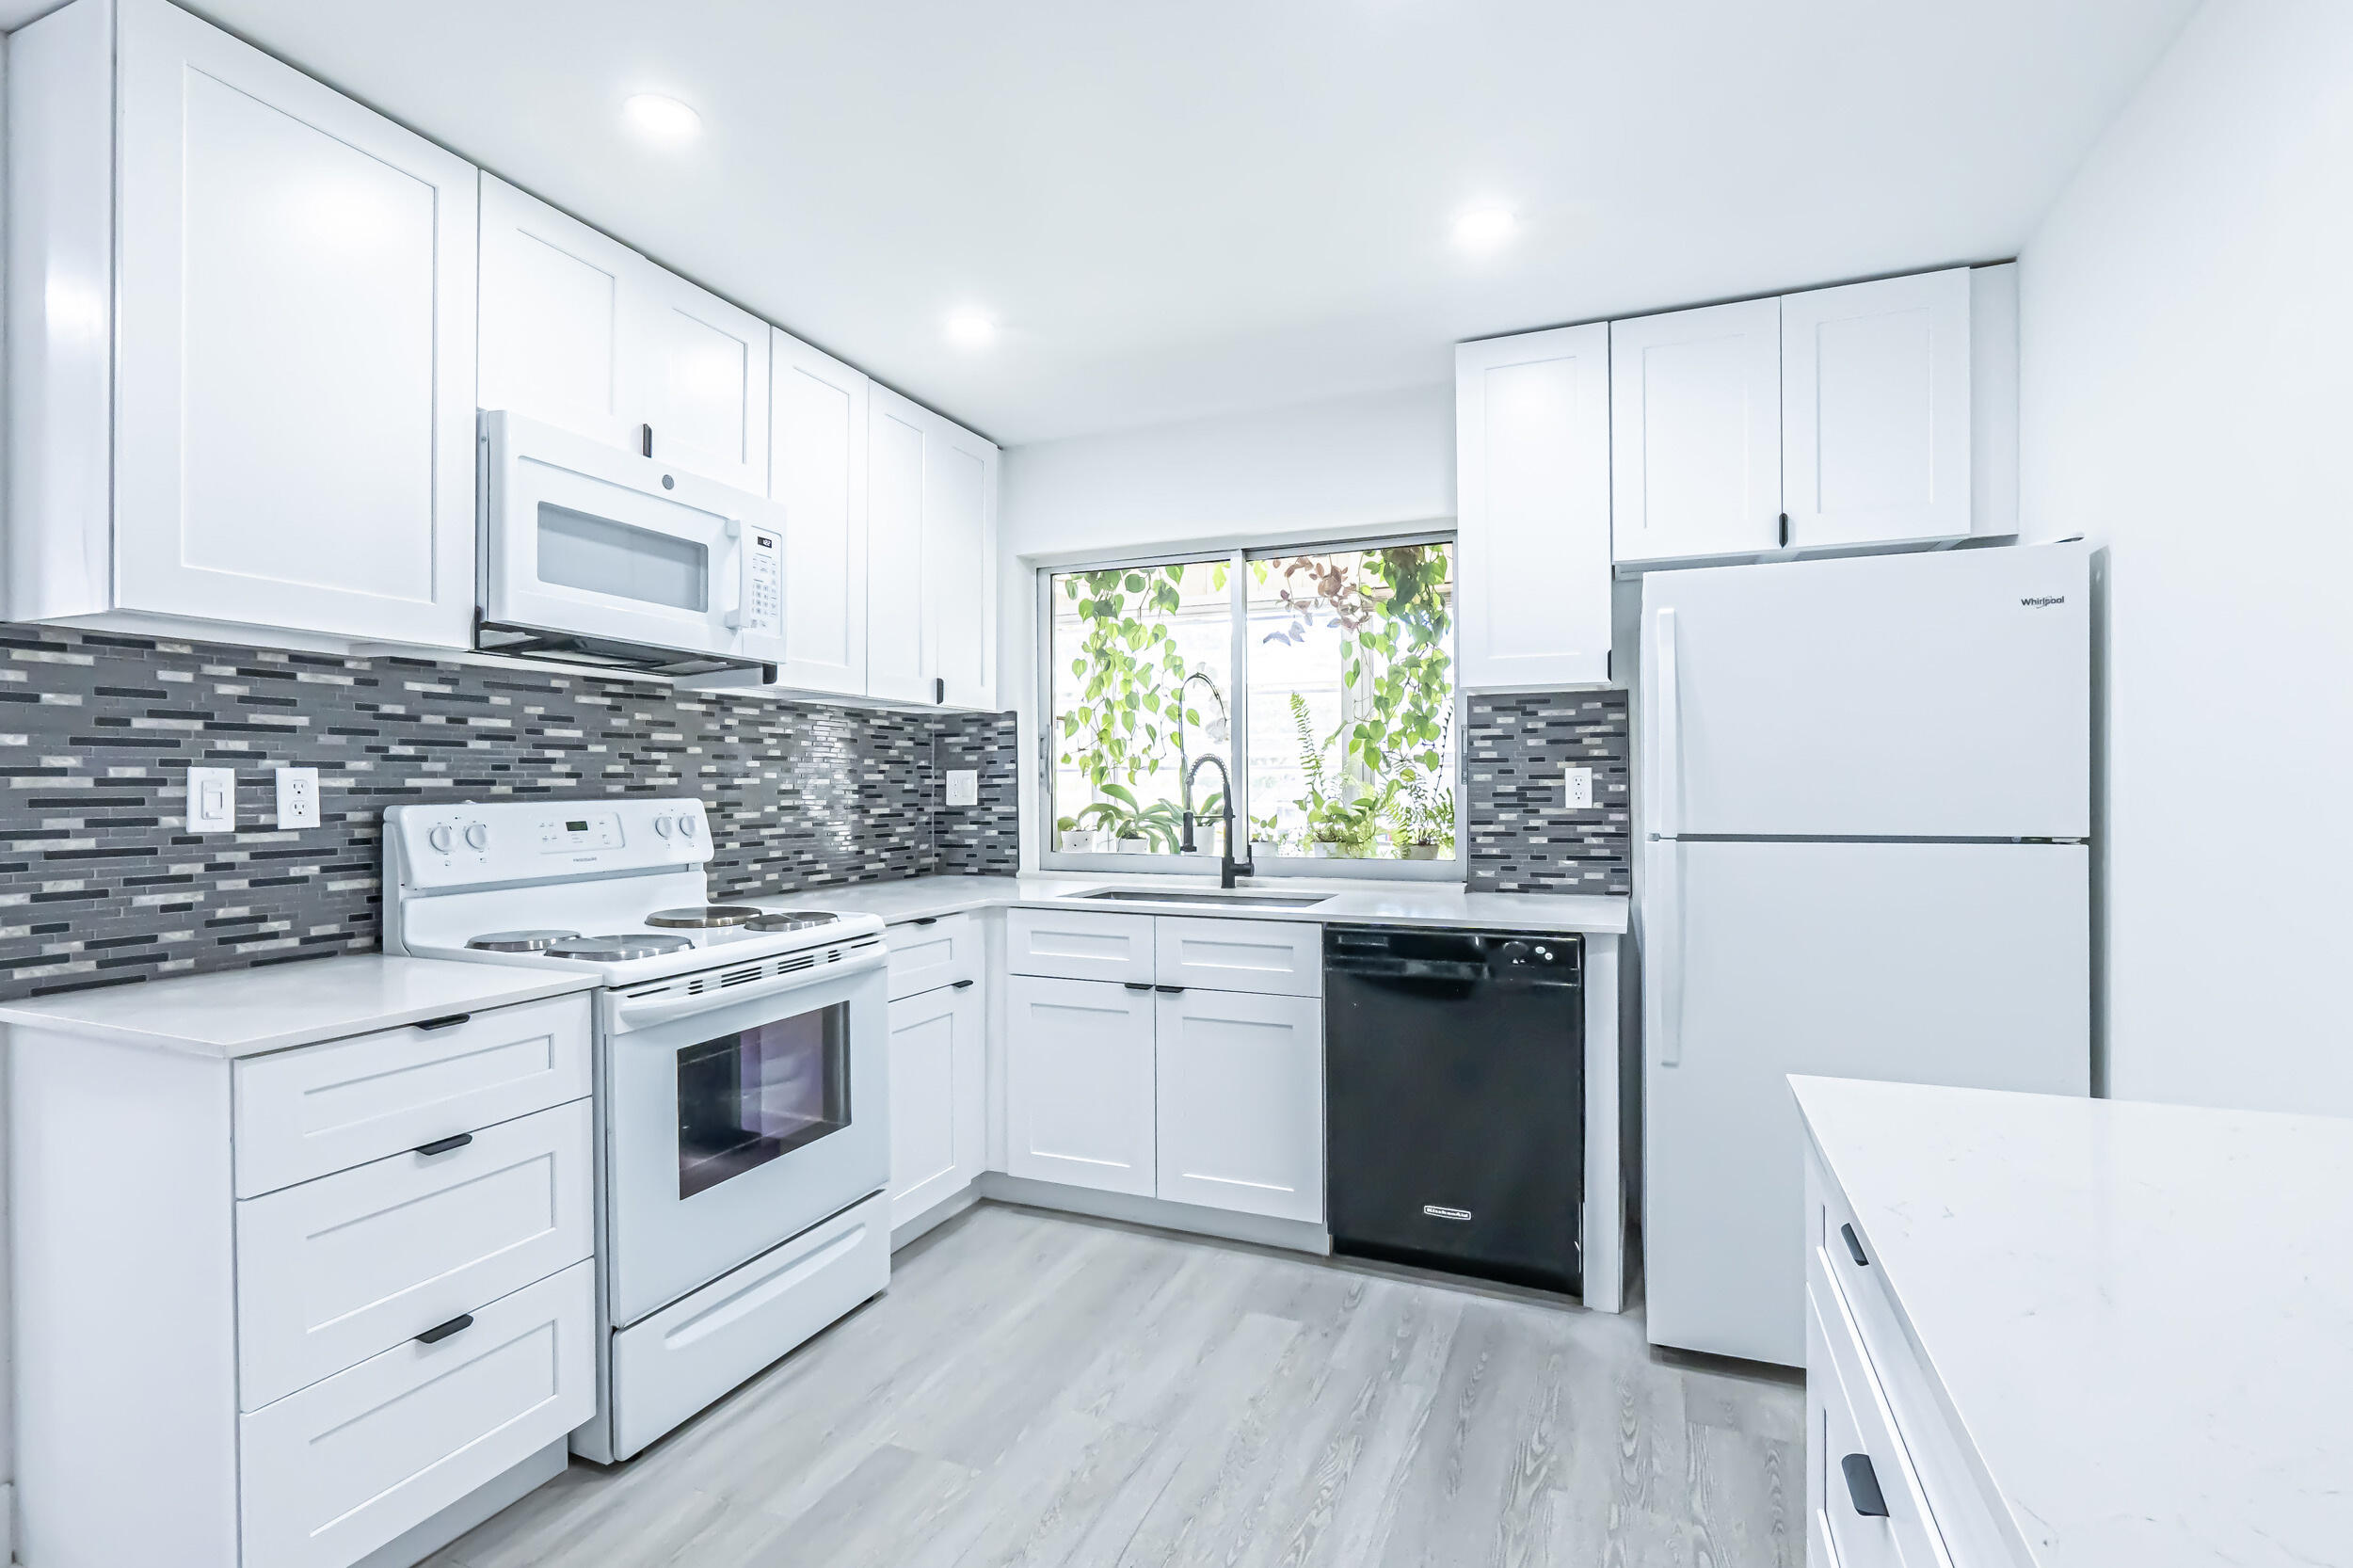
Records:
x=742, y=1097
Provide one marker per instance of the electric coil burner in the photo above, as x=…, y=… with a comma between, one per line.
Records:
x=520, y=941
x=618, y=948
x=703, y=917
x=791, y=919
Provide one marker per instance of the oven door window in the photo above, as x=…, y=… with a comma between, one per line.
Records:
x=747, y=1097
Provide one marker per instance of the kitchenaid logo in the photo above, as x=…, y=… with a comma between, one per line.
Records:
x=2045, y=603
x=1439, y=1211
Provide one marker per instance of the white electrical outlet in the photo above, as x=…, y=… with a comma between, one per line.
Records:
x=297, y=797
x=964, y=786
x=1581, y=795
x=212, y=800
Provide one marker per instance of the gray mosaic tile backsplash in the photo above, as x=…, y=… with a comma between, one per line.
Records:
x=100, y=883
x=1523, y=838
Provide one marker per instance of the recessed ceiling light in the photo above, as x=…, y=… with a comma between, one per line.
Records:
x=970, y=329
x=661, y=119
x=1483, y=229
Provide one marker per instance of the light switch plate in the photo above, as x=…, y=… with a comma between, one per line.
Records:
x=964, y=786
x=1581, y=795
x=212, y=800
x=297, y=797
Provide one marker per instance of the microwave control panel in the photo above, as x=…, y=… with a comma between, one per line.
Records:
x=763, y=580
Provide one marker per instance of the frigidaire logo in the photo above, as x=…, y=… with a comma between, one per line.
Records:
x=2045, y=603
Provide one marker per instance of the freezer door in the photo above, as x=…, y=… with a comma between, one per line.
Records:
x=1953, y=964
x=1942, y=695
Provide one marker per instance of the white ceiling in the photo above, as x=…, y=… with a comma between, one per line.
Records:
x=1178, y=210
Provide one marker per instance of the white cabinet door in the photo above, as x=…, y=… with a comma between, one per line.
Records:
x=1079, y=1086
x=1240, y=1097
x=1531, y=424
x=938, y=1102
x=897, y=661
x=295, y=407
x=1875, y=411
x=706, y=381
x=1695, y=433
x=817, y=470
x=558, y=329
x=960, y=564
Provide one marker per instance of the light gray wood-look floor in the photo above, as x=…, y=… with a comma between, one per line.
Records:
x=1048, y=1391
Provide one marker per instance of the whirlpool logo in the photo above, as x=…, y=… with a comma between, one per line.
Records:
x=2045, y=603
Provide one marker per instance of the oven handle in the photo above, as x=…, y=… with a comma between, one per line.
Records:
x=630, y=1013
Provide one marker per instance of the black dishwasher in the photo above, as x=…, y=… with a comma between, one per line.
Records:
x=1454, y=1067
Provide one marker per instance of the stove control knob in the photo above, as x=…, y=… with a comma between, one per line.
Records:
x=661, y=825
x=477, y=837
x=441, y=838
x=686, y=827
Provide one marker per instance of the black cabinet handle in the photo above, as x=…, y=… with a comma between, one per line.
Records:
x=1854, y=1247
x=443, y=1145
x=1170, y=990
x=962, y=986
x=1862, y=1486
x=452, y=1021
x=940, y=688
x=645, y=441
x=924, y=919
x=1137, y=984
x=440, y=1332
x=1784, y=531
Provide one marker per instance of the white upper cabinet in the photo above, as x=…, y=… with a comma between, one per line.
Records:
x=706, y=393
x=1533, y=466
x=291, y=332
x=558, y=333
x=931, y=508
x=583, y=332
x=1695, y=433
x=1875, y=411
x=817, y=468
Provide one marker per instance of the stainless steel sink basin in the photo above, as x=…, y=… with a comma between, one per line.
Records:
x=1263, y=900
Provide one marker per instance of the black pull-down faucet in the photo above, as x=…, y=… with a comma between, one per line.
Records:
x=1227, y=865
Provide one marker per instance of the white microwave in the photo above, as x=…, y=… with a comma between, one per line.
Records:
x=599, y=556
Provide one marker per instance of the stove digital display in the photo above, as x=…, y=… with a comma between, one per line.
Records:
x=575, y=827
x=563, y=835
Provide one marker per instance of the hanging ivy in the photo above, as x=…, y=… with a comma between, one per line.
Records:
x=1123, y=727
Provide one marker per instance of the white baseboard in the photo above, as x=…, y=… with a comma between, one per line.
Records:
x=933, y=1217
x=1290, y=1235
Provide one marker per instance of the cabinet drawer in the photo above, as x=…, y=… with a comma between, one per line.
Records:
x=927, y=954
x=331, y=1472
x=332, y=1271
x=1078, y=944
x=1846, y=1414
x=1279, y=958
x=304, y=1114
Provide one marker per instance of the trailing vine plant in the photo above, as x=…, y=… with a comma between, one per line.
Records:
x=1122, y=727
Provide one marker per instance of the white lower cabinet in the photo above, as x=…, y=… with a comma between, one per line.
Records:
x=1240, y=1102
x=1079, y=1088
x=331, y=1472
x=938, y=1097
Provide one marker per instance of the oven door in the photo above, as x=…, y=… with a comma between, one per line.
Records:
x=733, y=1127
x=581, y=540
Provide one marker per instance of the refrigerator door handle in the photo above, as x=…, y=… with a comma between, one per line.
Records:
x=1666, y=725
x=1664, y=961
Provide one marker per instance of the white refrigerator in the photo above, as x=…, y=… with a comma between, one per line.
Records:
x=1867, y=802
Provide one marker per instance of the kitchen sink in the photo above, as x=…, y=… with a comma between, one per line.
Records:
x=1262, y=901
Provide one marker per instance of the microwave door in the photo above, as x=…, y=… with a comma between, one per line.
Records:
x=584, y=555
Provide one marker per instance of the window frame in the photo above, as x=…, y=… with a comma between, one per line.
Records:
x=1205, y=861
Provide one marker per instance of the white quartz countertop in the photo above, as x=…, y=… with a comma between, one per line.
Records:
x=1431, y=904
x=246, y=1012
x=2140, y=1316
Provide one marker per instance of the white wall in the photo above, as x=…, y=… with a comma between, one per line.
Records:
x=1320, y=471
x=2187, y=364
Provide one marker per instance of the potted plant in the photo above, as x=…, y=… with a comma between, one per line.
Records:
x=1425, y=821
x=1133, y=827
x=1266, y=836
x=1074, y=839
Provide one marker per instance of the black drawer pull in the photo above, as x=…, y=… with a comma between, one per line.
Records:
x=1137, y=984
x=924, y=919
x=443, y=1145
x=451, y=1021
x=962, y=986
x=1862, y=1486
x=440, y=1332
x=1854, y=1247
x=1170, y=990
